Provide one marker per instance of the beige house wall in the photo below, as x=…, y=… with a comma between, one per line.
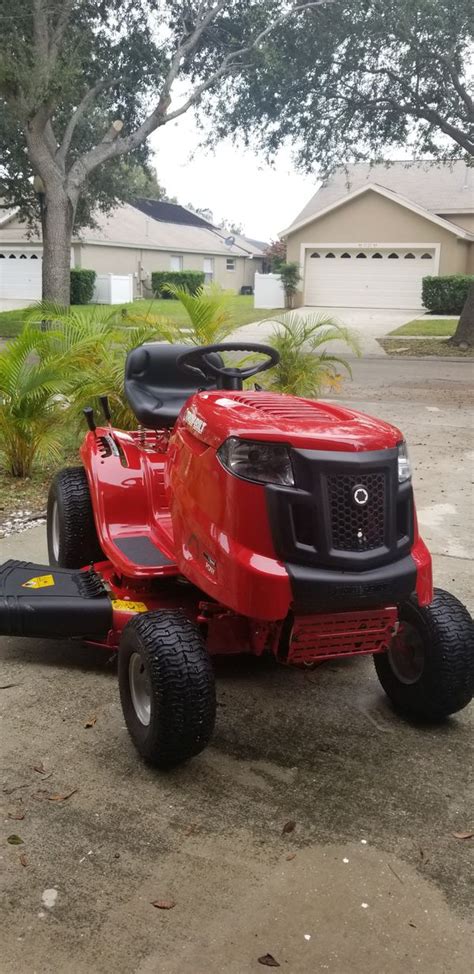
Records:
x=371, y=218
x=125, y=260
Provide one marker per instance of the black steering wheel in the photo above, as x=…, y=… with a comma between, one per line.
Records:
x=198, y=360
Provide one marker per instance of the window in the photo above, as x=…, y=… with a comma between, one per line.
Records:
x=330, y=255
x=23, y=257
x=2, y=256
x=377, y=256
x=410, y=257
x=208, y=268
x=361, y=256
x=176, y=263
x=345, y=255
x=393, y=256
x=315, y=255
x=12, y=257
x=34, y=257
x=426, y=257
x=230, y=264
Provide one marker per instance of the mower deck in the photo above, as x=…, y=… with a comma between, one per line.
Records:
x=37, y=600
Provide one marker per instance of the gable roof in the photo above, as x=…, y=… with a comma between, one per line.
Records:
x=7, y=215
x=129, y=226
x=388, y=194
x=166, y=212
x=148, y=225
x=438, y=187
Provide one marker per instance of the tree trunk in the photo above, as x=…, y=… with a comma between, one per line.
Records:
x=464, y=334
x=58, y=217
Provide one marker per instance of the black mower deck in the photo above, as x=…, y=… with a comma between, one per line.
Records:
x=37, y=600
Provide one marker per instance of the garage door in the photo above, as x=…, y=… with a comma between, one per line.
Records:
x=20, y=275
x=366, y=278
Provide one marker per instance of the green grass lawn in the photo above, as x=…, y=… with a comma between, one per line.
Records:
x=241, y=306
x=444, y=327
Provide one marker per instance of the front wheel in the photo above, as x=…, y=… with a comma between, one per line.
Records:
x=428, y=669
x=167, y=687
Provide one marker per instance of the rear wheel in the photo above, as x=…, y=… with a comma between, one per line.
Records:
x=167, y=687
x=428, y=670
x=71, y=531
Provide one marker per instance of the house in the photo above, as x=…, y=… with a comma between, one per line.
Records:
x=371, y=233
x=133, y=239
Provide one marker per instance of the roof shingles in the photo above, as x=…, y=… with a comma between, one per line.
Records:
x=440, y=188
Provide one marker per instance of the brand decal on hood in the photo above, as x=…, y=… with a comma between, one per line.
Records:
x=194, y=421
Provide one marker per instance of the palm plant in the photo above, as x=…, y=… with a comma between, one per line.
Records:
x=305, y=367
x=34, y=377
x=209, y=316
x=101, y=340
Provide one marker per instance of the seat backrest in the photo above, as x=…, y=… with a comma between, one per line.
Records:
x=156, y=388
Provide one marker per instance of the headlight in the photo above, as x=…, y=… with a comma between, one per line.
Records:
x=267, y=463
x=404, y=465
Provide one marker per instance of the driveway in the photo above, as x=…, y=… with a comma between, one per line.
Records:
x=371, y=879
x=368, y=324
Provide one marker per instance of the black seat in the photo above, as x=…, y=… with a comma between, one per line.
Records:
x=156, y=388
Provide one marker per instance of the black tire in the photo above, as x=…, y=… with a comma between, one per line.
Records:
x=442, y=635
x=181, y=687
x=76, y=542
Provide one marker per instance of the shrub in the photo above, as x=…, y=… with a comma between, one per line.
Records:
x=290, y=277
x=187, y=280
x=82, y=285
x=446, y=295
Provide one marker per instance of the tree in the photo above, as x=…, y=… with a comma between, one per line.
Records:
x=85, y=82
x=358, y=78
x=276, y=255
x=464, y=334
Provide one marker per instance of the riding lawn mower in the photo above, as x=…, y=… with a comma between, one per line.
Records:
x=237, y=520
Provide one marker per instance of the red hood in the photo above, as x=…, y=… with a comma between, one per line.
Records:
x=305, y=423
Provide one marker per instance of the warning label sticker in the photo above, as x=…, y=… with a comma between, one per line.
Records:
x=41, y=581
x=121, y=605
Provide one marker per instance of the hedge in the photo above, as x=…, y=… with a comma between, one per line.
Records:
x=82, y=285
x=190, y=280
x=446, y=295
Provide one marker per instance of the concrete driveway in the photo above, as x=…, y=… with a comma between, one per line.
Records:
x=367, y=324
x=370, y=881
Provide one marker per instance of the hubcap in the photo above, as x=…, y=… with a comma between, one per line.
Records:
x=55, y=531
x=139, y=689
x=407, y=655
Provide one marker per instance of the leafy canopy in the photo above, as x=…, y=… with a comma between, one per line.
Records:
x=356, y=79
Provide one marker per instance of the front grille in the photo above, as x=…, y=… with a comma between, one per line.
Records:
x=356, y=528
x=317, y=523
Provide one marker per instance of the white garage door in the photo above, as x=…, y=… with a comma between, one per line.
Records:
x=20, y=275
x=368, y=278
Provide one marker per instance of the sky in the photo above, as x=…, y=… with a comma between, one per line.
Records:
x=232, y=182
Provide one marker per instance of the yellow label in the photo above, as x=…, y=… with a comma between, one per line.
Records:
x=121, y=605
x=41, y=581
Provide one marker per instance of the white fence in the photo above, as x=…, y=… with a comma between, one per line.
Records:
x=113, y=289
x=269, y=291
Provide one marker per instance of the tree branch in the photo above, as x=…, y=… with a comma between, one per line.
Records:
x=59, y=31
x=159, y=116
x=432, y=116
x=40, y=30
x=82, y=107
x=457, y=84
